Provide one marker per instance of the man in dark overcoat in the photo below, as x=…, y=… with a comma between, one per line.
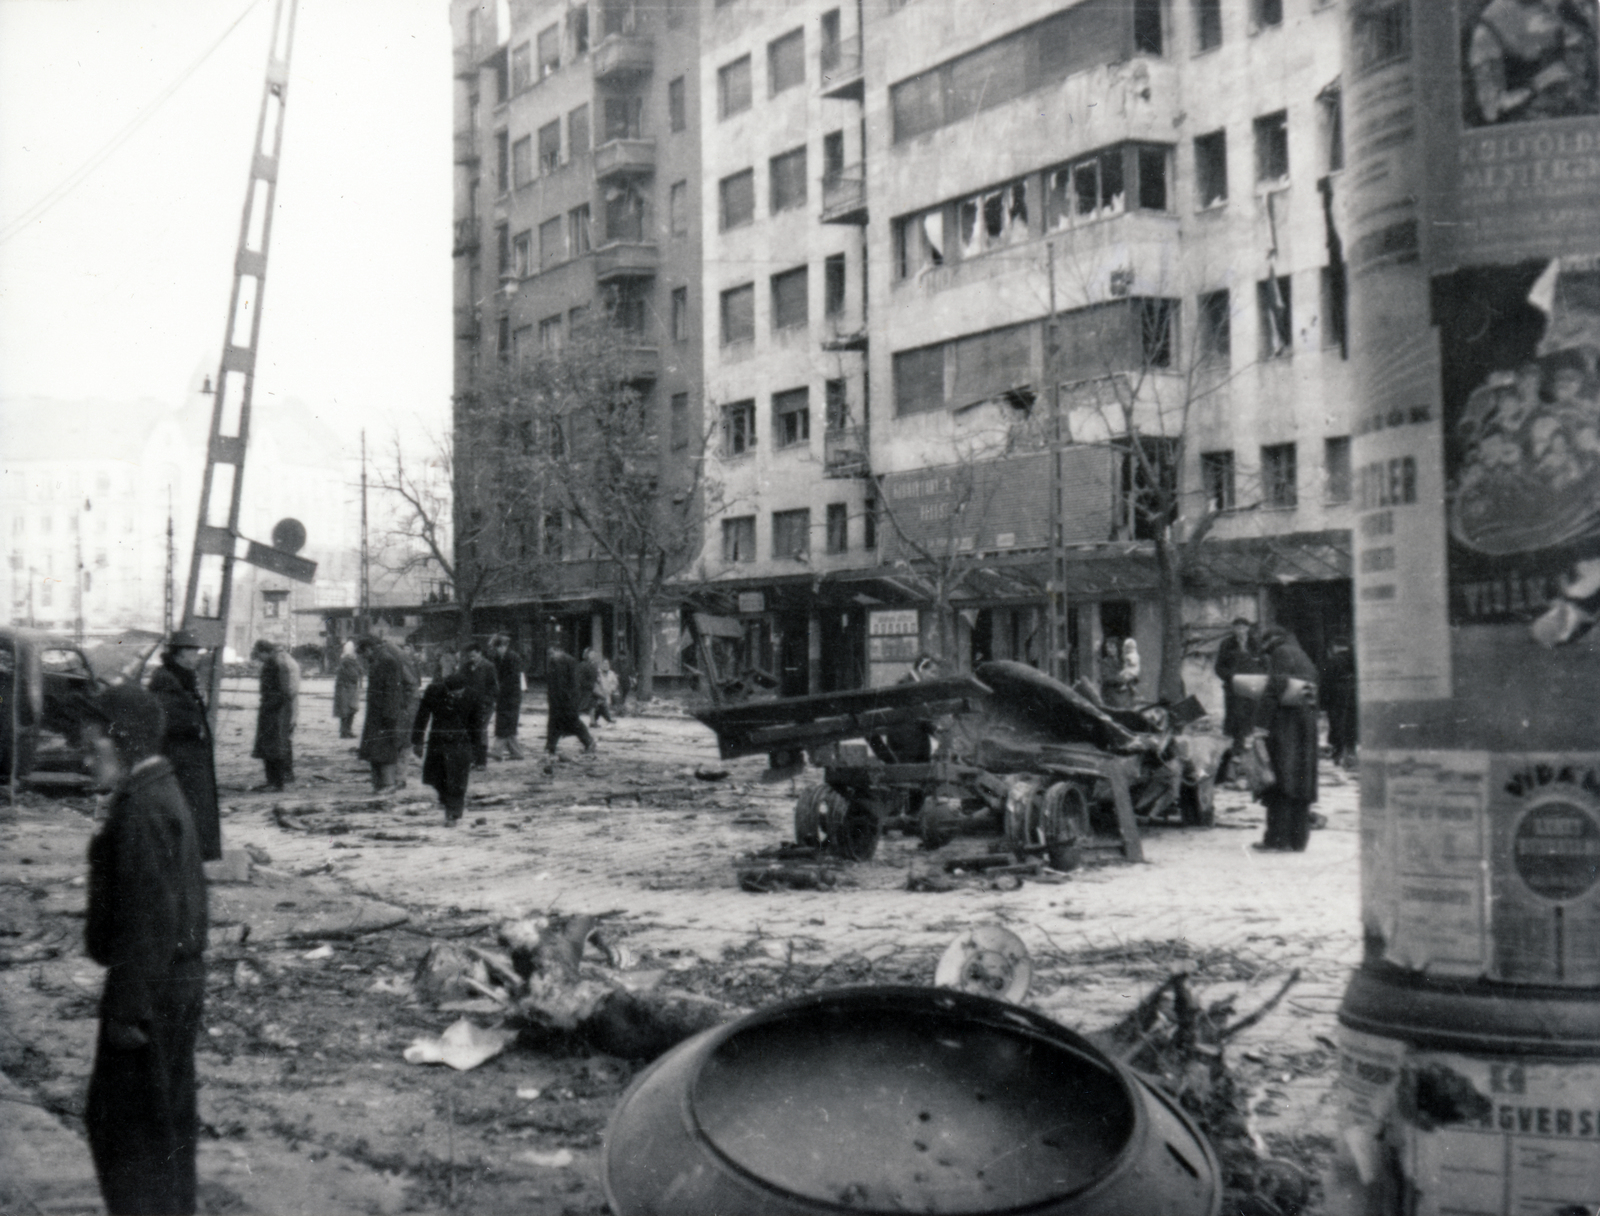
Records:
x=146, y=925
x=391, y=697
x=485, y=687
x=445, y=719
x=508, y=697
x=1336, y=686
x=187, y=742
x=347, y=690
x=1288, y=714
x=565, y=704
x=588, y=676
x=275, y=715
x=1235, y=657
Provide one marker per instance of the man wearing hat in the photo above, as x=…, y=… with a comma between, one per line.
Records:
x=391, y=704
x=187, y=741
x=1288, y=715
x=275, y=715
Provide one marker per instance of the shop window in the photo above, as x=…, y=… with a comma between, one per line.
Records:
x=791, y=417
x=790, y=308
x=1211, y=169
x=791, y=533
x=737, y=195
x=1278, y=476
x=739, y=314
x=739, y=539
x=1272, y=147
x=738, y=428
x=788, y=173
x=1216, y=476
x=838, y=527
x=733, y=87
x=786, y=62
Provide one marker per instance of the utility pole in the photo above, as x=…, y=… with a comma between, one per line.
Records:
x=169, y=588
x=77, y=624
x=1056, y=662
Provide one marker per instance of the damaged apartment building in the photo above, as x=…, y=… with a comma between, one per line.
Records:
x=925, y=274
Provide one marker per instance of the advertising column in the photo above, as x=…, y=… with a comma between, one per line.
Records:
x=1470, y=1062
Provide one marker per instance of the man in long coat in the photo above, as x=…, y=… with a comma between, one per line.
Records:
x=275, y=716
x=147, y=925
x=508, y=697
x=1237, y=656
x=565, y=705
x=445, y=719
x=1288, y=714
x=485, y=686
x=1337, y=690
x=187, y=742
x=347, y=690
x=391, y=698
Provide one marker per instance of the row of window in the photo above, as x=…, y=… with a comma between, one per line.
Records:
x=532, y=60
x=791, y=533
x=1279, y=476
x=791, y=307
x=562, y=238
x=791, y=418
x=786, y=69
x=1264, y=14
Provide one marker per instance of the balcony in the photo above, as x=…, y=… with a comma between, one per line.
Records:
x=626, y=260
x=844, y=196
x=844, y=452
x=640, y=364
x=465, y=146
x=841, y=69
x=620, y=56
x=466, y=240
x=843, y=333
x=625, y=158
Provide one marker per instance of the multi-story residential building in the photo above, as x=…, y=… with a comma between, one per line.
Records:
x=1088, y=256
x=577, y=197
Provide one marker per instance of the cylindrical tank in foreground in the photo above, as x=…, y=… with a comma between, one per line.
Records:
x=1470, y=204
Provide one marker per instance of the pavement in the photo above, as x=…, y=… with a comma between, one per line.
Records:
x=634, y=833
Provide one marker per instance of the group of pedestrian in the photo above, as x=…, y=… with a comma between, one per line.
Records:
x=1284, y=719
x=1119, y=673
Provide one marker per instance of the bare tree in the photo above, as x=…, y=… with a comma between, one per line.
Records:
x=576, y=436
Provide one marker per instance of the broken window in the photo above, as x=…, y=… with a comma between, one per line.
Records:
x=738, y=429
x=739, y=539
x=920, y=243
x=791, y=417
x=1211, y=169
x=994, y=218
x=1272, y=147
x=1216, y=326
x=1274, y=307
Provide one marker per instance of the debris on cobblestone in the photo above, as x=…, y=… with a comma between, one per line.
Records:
x=764, y=880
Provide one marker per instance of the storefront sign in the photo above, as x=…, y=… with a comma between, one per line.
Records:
x=890, y=621
x=752, y=603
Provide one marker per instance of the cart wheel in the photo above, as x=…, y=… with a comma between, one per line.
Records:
x=852, y=829
x=1064, y=820
x=812, y=811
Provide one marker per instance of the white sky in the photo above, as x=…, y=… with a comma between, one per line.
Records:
x=120, y=289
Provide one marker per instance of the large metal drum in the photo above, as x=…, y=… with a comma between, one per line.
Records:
x=900, y=1099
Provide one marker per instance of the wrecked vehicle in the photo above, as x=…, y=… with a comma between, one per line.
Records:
x=1019, y=754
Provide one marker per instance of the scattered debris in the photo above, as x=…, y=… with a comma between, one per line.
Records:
x=323, y=951
x=988, y=960
x=556, y=1160
x=462, y=1046
x=710, y=774
x=764, y=880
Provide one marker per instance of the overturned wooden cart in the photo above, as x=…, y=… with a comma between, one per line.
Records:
x=1031, y=760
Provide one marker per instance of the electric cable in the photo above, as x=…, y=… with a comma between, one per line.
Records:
x=60, y=191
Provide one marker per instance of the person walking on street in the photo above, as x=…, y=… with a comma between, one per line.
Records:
x=565, y=705
x=275, y=716
x=1287, y=714
x=1237, y=656
x=1336, y=686
x=187, y=741
x=391, y=693
x=605, y=687
x=146, y=924
x=588, y=673
x=485, y=686
x=508, y=697
x=446, y=719
x=347, y=690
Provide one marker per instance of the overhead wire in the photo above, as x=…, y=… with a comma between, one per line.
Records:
x=57, y=193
